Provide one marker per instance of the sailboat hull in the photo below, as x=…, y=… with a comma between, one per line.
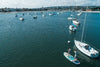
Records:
x=91, y=52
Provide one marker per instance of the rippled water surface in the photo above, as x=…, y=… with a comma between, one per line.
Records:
x=41, y=42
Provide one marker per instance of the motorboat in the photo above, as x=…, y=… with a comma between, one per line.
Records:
x=70, y=18
x=34, y=17
x=58, y=13
x=72, y=28
x=71, y=15
x=50, y=14
x=76, y=22
x=43, y=15
x=79, y=14
x=21, y=18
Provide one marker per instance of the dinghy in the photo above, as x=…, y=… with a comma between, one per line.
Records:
x=71, y=58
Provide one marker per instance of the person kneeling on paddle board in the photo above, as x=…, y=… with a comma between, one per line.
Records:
x=75, y=53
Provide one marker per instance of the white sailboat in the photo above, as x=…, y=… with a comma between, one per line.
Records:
x=86, y=48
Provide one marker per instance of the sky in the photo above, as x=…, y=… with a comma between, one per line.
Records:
x=46, y=3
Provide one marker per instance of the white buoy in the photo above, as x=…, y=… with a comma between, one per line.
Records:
x=68, y=41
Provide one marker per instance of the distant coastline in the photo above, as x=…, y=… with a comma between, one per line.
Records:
x=50, y=11
x=94, y=9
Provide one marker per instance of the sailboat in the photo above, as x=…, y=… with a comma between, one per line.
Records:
x=75, y=21
x=35, y=16
x=84, y=47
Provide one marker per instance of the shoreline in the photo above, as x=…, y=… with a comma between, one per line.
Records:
x=49, y=11
x=92, y=11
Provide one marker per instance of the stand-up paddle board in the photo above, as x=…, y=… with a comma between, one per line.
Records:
x=71, y=58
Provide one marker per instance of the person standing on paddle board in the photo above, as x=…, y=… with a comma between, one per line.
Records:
x=69, y=50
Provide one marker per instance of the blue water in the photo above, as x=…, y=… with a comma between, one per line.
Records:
x=41, y=42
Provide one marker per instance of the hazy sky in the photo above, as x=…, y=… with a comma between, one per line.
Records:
x=46, y=3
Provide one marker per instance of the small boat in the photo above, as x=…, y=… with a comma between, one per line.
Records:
x=86, y=49
x=58, y=13
x=70, y=18
x=35, y=17
x=50, y=14
x=71, y=15
x=71, y=58
x=16, y=15
x=43, y=15
x=76, y=22
x=72, y=28
x=21, y=19
x=79, y=14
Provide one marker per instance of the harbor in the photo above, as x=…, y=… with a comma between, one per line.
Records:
x=55, y=33
x=42, y=41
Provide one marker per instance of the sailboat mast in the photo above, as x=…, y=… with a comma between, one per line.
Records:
x=84, y=25
x=76, y=4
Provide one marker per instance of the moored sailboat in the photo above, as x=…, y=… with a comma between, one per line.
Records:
x=84, y=47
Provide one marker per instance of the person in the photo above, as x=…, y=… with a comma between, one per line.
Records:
x=69, y=50
x=75, y=53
